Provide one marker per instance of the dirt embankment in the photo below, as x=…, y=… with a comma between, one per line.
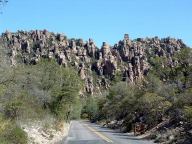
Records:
x=42, y=133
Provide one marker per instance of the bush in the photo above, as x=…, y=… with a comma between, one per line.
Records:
x=188, y=113
x=16, y=135
x=121, y=100
x=128, y=102
x=23, y=107
x=40, y=89
x=10, y=133
x=65, y=96
x=90, y=110
x=153, y=107
x=13, y=109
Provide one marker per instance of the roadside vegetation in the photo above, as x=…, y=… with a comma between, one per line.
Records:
x=30, y=93
x=49, y=92
x=165, y=96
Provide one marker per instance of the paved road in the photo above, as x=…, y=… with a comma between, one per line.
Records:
x=82, y=132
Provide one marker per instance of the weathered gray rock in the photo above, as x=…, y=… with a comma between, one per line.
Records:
x=105, y=50
x=82, y=72
x=127, y=57
x=91, y=48
x=89, y=85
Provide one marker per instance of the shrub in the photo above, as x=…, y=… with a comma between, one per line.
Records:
x=188, y=113
x=13, y=109
x=153, y=107
x=90, y=110
x=16, y=135
x=10, y=133
x=65, y=96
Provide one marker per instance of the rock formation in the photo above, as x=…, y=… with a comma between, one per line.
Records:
x=129, y=57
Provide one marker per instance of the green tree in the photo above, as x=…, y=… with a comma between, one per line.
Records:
x=91, y=108
x=153, y=107
x=66, y=95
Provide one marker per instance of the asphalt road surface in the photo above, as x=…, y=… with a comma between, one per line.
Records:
x=82, y=132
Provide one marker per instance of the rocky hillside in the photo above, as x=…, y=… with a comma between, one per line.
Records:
x=158, y=73
x=128, y=60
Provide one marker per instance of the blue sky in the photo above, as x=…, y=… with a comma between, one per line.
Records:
x=102, y=20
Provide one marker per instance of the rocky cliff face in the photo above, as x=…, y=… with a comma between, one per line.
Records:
x=128, y=58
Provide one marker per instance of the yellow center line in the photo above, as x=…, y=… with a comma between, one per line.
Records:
x=99, y=134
